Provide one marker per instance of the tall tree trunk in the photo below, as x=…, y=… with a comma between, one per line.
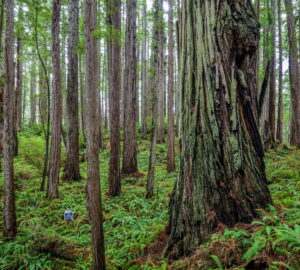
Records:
x=93, y=183
x=221, y=177
x=171, y=135
x=161, y=87
x=1, y=27
x=272, y=92
x=101, y=144
x=114, y=78
x=72, y=172
x=130, y=145
x=9, y=209
x=294, y=74
x=279, y=132
x=157, y=69
x=82, y=100
x=19, y=88
x=33, y=93
x=55, y=150
x=144, y=72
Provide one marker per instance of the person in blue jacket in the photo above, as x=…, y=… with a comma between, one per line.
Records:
x=68, y=215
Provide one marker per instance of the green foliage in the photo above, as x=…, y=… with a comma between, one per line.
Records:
x=130, y=221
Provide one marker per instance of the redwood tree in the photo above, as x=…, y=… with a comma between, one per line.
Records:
x=157, y=69
x=55, y=150
x=72, y=172
x=114, y=78
x=130, y=145
x=171, y=132
x=294, y=74
x=92, y=119
x=33, y=93
x=272, y=86
x=279, y=131
x=221, y=176
x=9, y=209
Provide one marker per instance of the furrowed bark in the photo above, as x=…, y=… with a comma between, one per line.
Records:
x=171, y=135
x=72, y=172
x=9, y=209
x=55, y=151
x=92, y=116
x=114, y=77
x=130, y=145
x=221, y=176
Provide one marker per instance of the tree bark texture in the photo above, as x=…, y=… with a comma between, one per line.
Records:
x=279, y=131
x=293, y=74
x=221, y=176
x=144, y=72
x=161, y=86
x=33, y=94
x=55, y=150
x=156, y=76
x=72, y=172
x=9, y=209
x=114, y=77
x=171, y=132
x=19, y=88
x=272, y=92
x=130, y=146
x=92, y=116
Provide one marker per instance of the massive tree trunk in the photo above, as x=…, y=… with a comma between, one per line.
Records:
x=272, y=92
x=9, y=209
x=33, y=93
x=279, y=132
x=55, y=150
x=72, y=172
x=92, y=116
x=221, y=177
x=130, y=145
x=294, y=74
x=171, y=135
x=157, y=7
x=114, y=78
x=161, y=86
x=144, y=72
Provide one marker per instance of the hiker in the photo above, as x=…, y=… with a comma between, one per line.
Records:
x=68, y=215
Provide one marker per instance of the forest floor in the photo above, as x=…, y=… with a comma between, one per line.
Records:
x=134, y=227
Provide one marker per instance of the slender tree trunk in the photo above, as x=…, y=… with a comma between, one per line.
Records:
x=93, y=183
x=9, y=209
x=101, y=144
x=1, y=27
x=161, y=87
x=114, y=78
x=19, y=88
x=279, y=133
x=294, y=74
x=55, y=151
x=33, y=93
x=171, y=135
x=221, y=177
x=272, y=92
x=72, y=172
x=144, y=72
x=130, y=145
x=257, y=6
x=82, y=100
x=157, y=69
